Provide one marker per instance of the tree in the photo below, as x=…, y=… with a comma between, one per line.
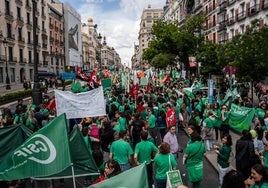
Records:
x=246, y=53
x=171, y=43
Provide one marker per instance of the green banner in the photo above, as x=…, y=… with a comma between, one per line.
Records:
x=46, y=152
x=241, y=117
x=126, y=179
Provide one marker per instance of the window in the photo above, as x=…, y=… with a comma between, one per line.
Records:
x=7, y=7
x=20, y=34
x=28, y=18
x=1, y=75
x=10, y=53
x=21, y=55
x=242, y=29
x=18, y=12
x=9, y=30
x=12, y=74
x=30, y=56
x=29, y=37
x=231, y=33
x=242, y=7
x=43, y=25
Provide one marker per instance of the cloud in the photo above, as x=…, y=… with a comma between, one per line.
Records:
x=118, y=20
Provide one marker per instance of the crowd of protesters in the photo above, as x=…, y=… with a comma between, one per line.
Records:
x=137, y=130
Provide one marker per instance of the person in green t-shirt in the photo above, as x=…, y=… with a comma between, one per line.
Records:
x=144, y=150
x=121, y=151
x=162, y=162
x=223, y=155
x=258, y=177
x=193, y=158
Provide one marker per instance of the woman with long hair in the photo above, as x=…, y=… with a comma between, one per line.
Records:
x=258, y=177
x=223, y=153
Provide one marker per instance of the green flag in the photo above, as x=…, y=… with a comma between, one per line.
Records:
x=241, y=117
x=46, y=152
x=189, y=93
x=11, y=138
x=126, y=179
x=83, y=162
x=106, y=83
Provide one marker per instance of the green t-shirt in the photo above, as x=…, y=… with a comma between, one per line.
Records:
x=195, y=151
x=152, y=121
x=121, y=150
x=223, y=156
x=218, y=120
x=144, y=150
x=122, y=122
x=263, y=185
x=161, y=163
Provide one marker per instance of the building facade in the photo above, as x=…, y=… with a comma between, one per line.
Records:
x=148, y=18
x=96, y=52
x=16, y=31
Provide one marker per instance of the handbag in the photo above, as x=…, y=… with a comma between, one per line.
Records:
x=173, y=177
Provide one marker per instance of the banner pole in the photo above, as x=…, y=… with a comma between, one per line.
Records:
x=73, y=176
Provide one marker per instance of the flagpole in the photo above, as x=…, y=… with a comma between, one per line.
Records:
x=73, y=176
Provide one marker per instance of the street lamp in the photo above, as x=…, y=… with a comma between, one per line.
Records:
x=5, y=42
x=99, y=38
x=36, y=94
x=197, y=33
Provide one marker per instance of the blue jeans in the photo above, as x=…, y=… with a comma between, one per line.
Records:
x=124, y=167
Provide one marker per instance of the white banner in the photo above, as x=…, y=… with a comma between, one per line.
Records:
x=80, y=105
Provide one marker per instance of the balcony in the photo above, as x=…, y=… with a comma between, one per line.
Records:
x=43, y=16
x=56, y=28
x=61, y=43
x=21, y=39
x=51, y=26
x=10, y=37
x=231, y=2
x=43, y=2
x=12, y=59
x=44, y=31
x=231, y=21
x=29, y=25
x=30, y=41
x=20, y=21
x=44, y=45
x=241, y=15
x=28, y=7
x=23, y=61
x=222, y=25
x=51, y=39
x=223, y=5
x=18, y=2
x=9, y=15
x=253, y=10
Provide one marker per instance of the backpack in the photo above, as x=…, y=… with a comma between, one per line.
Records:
x=95, y=131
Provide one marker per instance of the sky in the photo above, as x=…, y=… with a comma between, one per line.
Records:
x=117, y=20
